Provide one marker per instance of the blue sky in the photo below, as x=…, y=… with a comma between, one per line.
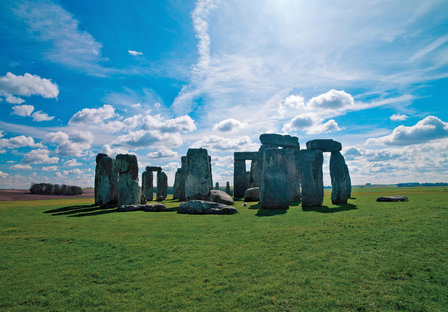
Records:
x=157, y=77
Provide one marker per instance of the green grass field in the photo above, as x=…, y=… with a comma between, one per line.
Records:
x=365, y=256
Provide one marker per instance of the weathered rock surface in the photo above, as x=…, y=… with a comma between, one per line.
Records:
x=252, y=194
x=340, y=179
x=279, y=140
x=245, y=155
x=218, y=196
x=392, y=198
x=228, y=188
x=176, y=187
x=147, y=185
x=325, y=145
x=162, y=186
x=106, y=181
x=293, y=169
x=254, y=174
x=154, y=207
x=274, y=186
x=153, y=168
x=197, y=176
x=216, y=186
x=205, y=207
x=239, y=178
x=128, y=189
x=182, y=172
x=312, y=182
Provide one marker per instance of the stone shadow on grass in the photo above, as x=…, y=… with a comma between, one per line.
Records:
x=266, y=212
x=81, y=210
x=326, y=209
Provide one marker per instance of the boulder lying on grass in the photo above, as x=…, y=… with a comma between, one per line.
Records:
x=153, y=207
x=252, y=194
x=221, y=197
x=392, y=198
x=205, y=207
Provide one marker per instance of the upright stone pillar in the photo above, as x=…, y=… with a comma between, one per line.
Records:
x=349, y=182
x=183, y=170
x=340, y=185
x=217, y=186
x=210, y=172
x=228, y=188
x=292, y=164
x=162, y=186
x=274, y=188
x=239, y=178
x=105, y=181
x=128, y=189
x=254, y=174
x=312, y=181
x=147, y=184
x=176, y=189
x=197, y=178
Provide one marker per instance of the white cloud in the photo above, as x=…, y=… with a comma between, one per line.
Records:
x=39, y=156
x=331, y=100
x=71, y=46
x=134, y=53
x=3, y=175
x=396, y=117
x=50, y=168
x=180, y=124
x=20, y=167
x=163, y=153
x=93, y=116
x=73, y=144
x=229, y=125
x=114, y=150
x=40, y=116
x=299, y=122
x=23, y=110
x=27, y=85
x=217, y=143
x=430, y=128
x=72, y=163
x=19, y=141
x=329, y=126
x=14, y=99
x=144, y=138
x=72, y=171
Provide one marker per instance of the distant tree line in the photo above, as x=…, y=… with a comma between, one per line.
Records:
x=421, y=184
x=54, y=189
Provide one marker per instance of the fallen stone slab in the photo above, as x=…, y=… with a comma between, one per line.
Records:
x=221, y=197
x=154, y=207
x=392, y=198
x=325, y=145
x=252, y=194
x=205, y=207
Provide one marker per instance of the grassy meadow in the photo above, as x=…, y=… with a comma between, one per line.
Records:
x=67, y=255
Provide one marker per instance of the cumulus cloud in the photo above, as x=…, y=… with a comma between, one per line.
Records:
x=146, y=138
x=329, y=126
x=27, y=85
x=398, y=117
x=3, y=174
x=331, y=100
x=229, y=125
x=114, y=150
x=40, y=116
x=39, y=156
x=14, y=99
x=19, y=141
x=217, y=143
x=299, y=122
x=72, y=163
x=425, y=130
x=20, y=167
x=163, y=153
x=92, y=116
x=180, y=124
x=134, y=53
x=22, y=110
x=74, y=143
x=50, y=168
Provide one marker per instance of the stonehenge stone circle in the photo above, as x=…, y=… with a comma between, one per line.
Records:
x=241, y=179
x=147, y=184
x=325, y=145
x=106, y=183
x=340, y=190
x=312, y=181
x=274, y=186
x=162, y=186
x=197, y=176
x=128, y=189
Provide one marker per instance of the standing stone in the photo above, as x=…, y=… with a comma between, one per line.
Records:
x=217, y=186
x=312, y=182
x=340, y=187
x=349, y=182
x=105, y=181
x=128, y=189
x=147, y=185
x=162, y=186
x=292, y=165
x=197, y=176
x=176, y=188
x=183, y=170
x=247, y=180
x=254, y=174
x=239, y=178
x=210, y=172
x=228, y=188
x=274, y=188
